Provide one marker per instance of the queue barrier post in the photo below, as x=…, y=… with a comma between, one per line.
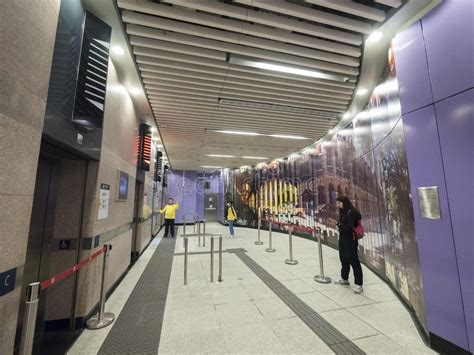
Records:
x=29, y=319
x=259, y=227
x=291, y=261
x=270, y=248
x=219, y=279
x=103, y=319
x=321, y=278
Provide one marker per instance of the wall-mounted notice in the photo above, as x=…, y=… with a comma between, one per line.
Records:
x=104, y=197
x=429, y=202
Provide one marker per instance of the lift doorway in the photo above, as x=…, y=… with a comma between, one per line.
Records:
x=54, y=244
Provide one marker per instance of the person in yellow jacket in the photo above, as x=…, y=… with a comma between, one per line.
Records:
x=231, y=216
x=170, y=214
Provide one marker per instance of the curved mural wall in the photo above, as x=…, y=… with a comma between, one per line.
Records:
x=366, y=161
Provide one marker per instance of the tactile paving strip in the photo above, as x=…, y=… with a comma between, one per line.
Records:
x=137, y=330
x=321, y=327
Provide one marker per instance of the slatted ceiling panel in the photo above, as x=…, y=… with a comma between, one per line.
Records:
x=182, y=49
x=242, y=95
x=238, y=112
x=317, y=16
x=391, y=3
x=283, y=89
x=250, y=76
x=273, y=20
x=170, y=119
x=342, y=53
x=352, y=8
x=154, y=34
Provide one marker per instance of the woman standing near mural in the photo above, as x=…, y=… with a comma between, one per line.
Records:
x=349, y=218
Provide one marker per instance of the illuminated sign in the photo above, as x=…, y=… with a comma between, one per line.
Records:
x=144, y=151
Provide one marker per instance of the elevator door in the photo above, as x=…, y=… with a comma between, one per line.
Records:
x=211, y=206
x=54, y=239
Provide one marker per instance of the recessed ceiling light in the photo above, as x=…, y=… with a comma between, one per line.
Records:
x=283, y=68
x=361, y=92
x=331, y=131
x=375, y=37
x=118, y=50
x=241, y=133
x=286, y=136
x=211, y=167
x=258, y=158
x=135, y=91
x=220, y=156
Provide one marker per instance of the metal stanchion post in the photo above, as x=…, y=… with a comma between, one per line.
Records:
x=184, y=229
x=290, y=261
x=212, y=259
x=270, y=249
x=204, y=233
x=29, y=319
x=103, y=319
x=259, y=225
x=219, y=279
x=194, y=224
x=184, y=224
x=185, y=261
x=321, y=278
x=199, y=233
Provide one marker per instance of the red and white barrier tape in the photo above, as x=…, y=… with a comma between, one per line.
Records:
x=61, y=276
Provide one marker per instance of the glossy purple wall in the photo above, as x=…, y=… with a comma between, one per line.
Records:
x=434, y=60
x=191, y=195
x=185, y=195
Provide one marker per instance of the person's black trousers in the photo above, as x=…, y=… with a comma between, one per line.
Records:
x=349, y=257
x=169, y=224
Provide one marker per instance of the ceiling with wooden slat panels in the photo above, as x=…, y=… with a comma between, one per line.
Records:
x=200, y=65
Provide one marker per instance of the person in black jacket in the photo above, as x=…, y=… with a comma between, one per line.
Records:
x=349, y=218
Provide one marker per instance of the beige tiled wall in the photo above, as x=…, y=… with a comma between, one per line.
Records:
x=121, y=128
x=27, y=34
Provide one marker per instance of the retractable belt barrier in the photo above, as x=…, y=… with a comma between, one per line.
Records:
x=32, y=300
x=61, y=276
x=315, y=233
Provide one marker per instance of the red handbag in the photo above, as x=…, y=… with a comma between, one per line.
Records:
x=359, y=231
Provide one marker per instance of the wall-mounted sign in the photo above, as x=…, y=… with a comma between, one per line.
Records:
x=429, y=202
x=104, y=197
x=144, y=149
x=64, y=244
x=7, y=281
x=122, y=186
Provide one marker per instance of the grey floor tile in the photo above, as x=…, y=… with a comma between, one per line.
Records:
x=348, y=324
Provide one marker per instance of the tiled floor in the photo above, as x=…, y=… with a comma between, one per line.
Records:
x=243, y=315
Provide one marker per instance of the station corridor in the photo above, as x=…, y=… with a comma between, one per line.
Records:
x=262, y=306
x=343, y=129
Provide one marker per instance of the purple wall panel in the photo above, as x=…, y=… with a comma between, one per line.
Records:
x=455, y=118
x=185, y=196
x=435, y=240
x=412, y=69
x=448, y=32
x=191, y=197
